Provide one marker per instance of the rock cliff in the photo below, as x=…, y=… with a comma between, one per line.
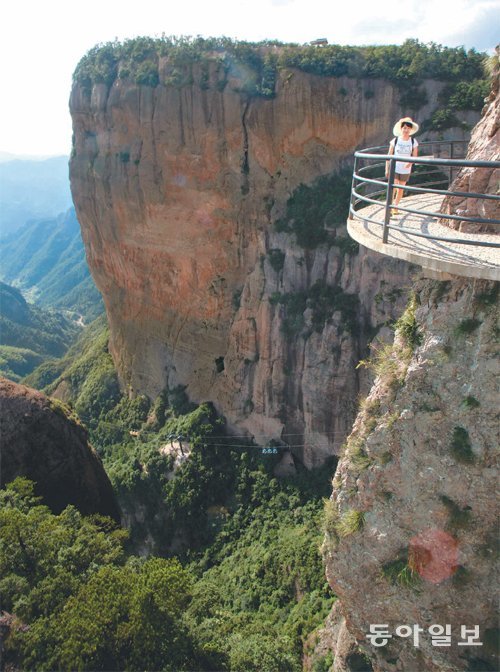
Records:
x=41, y=442
x=412, y=524
x=413, y=521
x=484, y=146
x=178, y=188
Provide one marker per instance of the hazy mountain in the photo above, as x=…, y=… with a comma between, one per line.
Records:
x=10, y=156
x=46, y=259
x=32, y=189
x=29, y=334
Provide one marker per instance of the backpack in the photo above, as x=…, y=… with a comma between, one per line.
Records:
x=412, y=144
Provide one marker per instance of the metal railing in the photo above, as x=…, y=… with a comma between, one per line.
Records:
x=427, y=175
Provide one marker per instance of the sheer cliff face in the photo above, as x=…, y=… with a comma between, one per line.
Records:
x=177, y=190
x=413, y=517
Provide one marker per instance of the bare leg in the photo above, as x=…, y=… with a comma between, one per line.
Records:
x=398, y=193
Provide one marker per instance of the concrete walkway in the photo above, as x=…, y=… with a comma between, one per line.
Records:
x=438, y=258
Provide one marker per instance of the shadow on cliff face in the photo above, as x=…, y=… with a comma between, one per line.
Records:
x=357, y=662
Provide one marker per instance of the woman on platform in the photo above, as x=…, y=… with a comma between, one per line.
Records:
x=402, y=144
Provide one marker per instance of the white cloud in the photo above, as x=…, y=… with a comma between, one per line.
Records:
x=482, y=32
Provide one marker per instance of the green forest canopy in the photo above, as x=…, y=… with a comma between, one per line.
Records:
x=137, y=59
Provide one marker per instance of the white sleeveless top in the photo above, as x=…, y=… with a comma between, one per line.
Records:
x=403, y=148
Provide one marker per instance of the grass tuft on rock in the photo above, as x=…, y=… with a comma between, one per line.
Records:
x=399, y=573
x=470, y=402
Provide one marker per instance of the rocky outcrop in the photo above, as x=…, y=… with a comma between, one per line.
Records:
x=413, y=520
x=177, y=189
x=333, y=642
x=484, y=146
x=42, y=442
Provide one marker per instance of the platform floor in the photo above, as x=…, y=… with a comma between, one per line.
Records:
x=439, y=258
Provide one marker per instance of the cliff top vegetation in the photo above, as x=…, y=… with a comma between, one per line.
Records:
x=137, y=59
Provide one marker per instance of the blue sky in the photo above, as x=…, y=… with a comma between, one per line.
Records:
x=41, y=41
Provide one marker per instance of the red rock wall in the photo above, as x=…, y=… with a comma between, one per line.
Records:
x=177, y=190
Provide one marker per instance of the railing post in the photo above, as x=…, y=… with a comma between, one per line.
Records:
x=452, y=147
x=353, y=182
x=388, y=203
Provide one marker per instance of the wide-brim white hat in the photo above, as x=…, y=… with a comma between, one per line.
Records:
x=397, y=126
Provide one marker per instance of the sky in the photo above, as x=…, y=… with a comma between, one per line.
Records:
x=41, y=42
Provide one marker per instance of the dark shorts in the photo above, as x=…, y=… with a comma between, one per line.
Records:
x=402, y=177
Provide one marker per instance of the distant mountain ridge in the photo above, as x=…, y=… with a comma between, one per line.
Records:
x=42, y=260
x=11, y=156
x=29, y=334
x=32, y=189
x=46, y=259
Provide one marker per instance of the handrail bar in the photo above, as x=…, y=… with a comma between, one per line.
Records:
x=373, y=180
x=444, y=192
x=447, y=192
x=431, y=162
x=426, y=143
x=371, y=166
x=440, y=215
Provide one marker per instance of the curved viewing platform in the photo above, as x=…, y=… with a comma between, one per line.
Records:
x=418, y=233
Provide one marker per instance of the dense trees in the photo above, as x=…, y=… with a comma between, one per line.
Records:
x=254, y=594
x=137, y=59
x=79, y=604
x=410, y=60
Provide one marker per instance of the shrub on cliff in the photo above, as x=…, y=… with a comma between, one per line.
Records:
x=322, y=300
x=313, y=207
x=98, y=66
x=465, y=95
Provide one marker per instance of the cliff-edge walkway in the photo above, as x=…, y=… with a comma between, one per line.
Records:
x=418, y=234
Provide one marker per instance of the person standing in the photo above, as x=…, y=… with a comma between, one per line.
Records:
x=402, y=144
